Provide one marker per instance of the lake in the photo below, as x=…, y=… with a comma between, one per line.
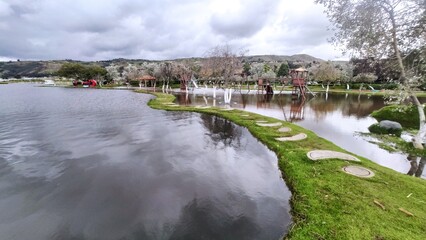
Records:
x=100, y=164
x=336, y=117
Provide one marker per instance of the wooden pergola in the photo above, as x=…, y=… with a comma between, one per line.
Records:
x=148, y=78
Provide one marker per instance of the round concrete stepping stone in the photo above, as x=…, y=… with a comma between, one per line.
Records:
x=269, y=124
x=245, y=115
x=296, y=137
x=358, y=171
x=327, y=154
x=169, y=103
x=284, y=129
x=261, y=121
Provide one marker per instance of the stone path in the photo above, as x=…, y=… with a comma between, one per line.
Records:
x=269, y=124
x=327, y=154
x=358, y=171
x=296, y=137
x=284, y=129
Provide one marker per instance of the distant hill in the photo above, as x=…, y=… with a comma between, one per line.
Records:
x=17, y=69
x=283, y=58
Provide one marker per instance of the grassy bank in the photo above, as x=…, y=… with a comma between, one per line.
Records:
x=327, y=203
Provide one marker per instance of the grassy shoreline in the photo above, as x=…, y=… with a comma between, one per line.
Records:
x=327, y=203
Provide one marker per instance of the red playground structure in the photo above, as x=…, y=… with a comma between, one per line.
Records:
x=299, y=77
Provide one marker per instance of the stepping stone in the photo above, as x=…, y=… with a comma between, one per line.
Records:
x=296, y=137
x=245, y=115
x=358, y=171
x=284, y=129
x=261, y=121
x=169, y=103
x=327, y=154
x=269, y=124
x=226, y=109
x=202, y=107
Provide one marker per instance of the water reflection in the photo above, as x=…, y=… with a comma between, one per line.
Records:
x=97, y=164
x=416, y=168
x=336, y=117
x=222, y=131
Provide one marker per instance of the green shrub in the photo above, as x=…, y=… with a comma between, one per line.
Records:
x=375, y=128
x=407, y=116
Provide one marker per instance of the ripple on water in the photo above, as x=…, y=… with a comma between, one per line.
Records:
x=84, y=163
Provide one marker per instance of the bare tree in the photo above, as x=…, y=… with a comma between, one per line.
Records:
x=379, y=29
x=183, y=72
x=221, y=65
x=166, y=73
x=327, y=72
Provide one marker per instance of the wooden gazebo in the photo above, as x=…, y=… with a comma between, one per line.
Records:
x=148, y=78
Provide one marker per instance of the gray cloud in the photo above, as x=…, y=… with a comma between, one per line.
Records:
x=244, y=22
x=162, y=29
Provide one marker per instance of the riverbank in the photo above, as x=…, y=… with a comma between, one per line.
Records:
x=326, y=202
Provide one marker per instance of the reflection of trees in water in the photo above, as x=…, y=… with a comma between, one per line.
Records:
x=322, y=106
x=222, y=131
x=264, y=100
x=183, y=98
x=202, y=219
x=416, y=169
x=350, y=105
x=361, y=106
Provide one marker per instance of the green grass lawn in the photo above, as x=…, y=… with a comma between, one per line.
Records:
x=327, y=203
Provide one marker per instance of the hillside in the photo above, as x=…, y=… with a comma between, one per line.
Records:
x=18, y=69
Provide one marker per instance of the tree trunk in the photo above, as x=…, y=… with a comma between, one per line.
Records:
x=214, y=91
x=328, y=87
x=422, y=128
x=228, y=95
x=418, y=139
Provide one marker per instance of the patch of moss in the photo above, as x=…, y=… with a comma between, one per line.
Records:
x=407, y=116
x=376, y=128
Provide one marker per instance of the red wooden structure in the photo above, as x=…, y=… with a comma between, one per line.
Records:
x=147, y=78
x=298, y=77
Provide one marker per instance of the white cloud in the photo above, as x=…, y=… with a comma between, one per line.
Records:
x=162, y=29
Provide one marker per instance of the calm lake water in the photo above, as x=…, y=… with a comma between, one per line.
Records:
x=99, y=164
x=336, y=117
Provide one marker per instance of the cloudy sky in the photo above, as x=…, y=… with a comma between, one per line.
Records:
x=160, y=29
